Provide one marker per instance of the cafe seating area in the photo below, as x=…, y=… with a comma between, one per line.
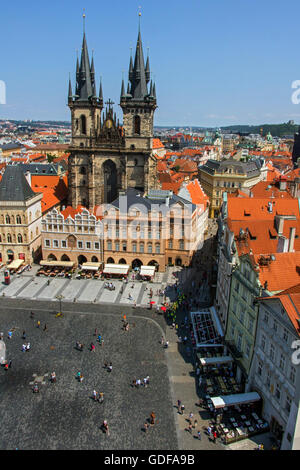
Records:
x=55, y=272
x=239, y=422
x=219, y=382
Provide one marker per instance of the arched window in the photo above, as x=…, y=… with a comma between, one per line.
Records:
x=149, y=247
x=7, y=219
x=157, y=248
x=8, y=238
x=20, y=238
x=82, y=170
x=18, y=219
x=137, y=124
x=83, y=124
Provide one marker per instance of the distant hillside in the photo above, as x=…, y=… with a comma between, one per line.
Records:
x=278, y=130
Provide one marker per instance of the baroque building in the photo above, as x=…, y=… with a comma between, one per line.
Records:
x=106, y=157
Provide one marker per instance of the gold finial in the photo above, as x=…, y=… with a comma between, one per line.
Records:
x=83, y=16
x=140, y=13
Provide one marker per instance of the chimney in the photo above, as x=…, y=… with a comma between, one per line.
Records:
x=292, y=239
x=280, y=222
x=282, y=184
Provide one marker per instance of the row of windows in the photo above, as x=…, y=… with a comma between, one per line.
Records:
x=134, y=247
x=10, y=219
x=274, y=325
x=80, y=244
x=242, y=346
x=12, y=239
x=277, y=390
x=275, y=356
x=142, y=246
x=78, y=228
x=240, y=313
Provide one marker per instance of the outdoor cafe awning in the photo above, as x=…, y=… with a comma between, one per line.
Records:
x=15, y=264
x=147, y=270
x=64, y=264
x=91, y=266
x=116, y=269
x=236, y=399
x=207, y=361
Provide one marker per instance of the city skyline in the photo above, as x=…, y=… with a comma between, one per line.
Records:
x=201, y=79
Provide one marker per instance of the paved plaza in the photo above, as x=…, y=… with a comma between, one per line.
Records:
x=29, y=286
x=63, y=415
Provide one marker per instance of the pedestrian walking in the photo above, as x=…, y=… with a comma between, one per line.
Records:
x=199, y=435
x=101, y=397
x=138, y=383
x=92, y=347
x=45, y=327
x=146, y=427
x=38, y=324
x=152, y=418
x=195, y=424
x=190, y=428
x=9, y=334
x=9, y=363
x=24, y=335
x=105, y=427
x=53, y=377
x=23, y=347
x=191, y=417
x=214, y=436
x=95, y=395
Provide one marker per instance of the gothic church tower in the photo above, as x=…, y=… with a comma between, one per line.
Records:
x=104, y=156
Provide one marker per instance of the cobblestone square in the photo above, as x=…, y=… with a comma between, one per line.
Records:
x=63, y=415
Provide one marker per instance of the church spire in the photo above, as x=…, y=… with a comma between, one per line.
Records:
x=122, y=89
x=85, y=75
x=147, y=71
x=70, y=94
x=101, y=93
x=137, y=72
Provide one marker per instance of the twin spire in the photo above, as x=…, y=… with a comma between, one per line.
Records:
x=85, y=89
x=139, y=77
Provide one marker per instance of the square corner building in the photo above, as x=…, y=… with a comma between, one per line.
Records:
x=106, y=157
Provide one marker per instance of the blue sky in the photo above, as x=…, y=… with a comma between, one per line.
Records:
x=216, y=62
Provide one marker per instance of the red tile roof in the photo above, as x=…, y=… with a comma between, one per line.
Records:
x=197, y=194
x=157, y=144
x=69, y=211
x=53, y=187
x=281, y=273
x=269, y=189
x=257, y=208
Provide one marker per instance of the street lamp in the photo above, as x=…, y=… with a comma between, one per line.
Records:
x=59, y=297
